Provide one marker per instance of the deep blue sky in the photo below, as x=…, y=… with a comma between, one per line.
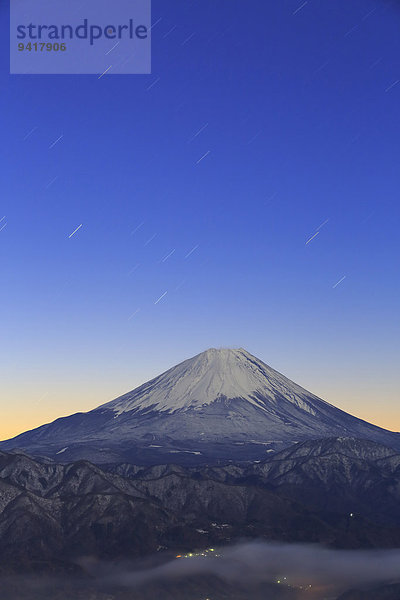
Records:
x=299, y=118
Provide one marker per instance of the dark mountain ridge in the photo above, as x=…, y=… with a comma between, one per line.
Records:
x=50, y=511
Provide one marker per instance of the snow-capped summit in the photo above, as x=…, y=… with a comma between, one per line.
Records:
x=210, y=376
x=221, y=404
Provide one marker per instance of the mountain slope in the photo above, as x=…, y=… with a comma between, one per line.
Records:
x=52, y=512
x=60, y=512
x=340, y=475
x=335, y=476
x=219, y=405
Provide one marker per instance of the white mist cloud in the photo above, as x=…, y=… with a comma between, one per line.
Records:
x=252, y=562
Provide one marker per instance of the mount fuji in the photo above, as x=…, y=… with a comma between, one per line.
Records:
x=223, y=404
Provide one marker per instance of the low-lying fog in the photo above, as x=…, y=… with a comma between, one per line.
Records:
x=297, y=571
x=295, y=564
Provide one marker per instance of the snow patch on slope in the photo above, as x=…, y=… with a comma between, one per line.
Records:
x=212, y=375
